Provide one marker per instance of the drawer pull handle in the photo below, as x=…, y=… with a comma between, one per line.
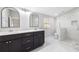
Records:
x=28, y=41
x=28, y=35
x=28, y=48
x=10, y=41
x=6, y=42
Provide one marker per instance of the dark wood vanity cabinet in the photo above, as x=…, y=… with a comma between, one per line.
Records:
x=22, y=42
x=15, y=45
x=38, y=38
x=10, y=45
x=4, y=46
x=27, y=42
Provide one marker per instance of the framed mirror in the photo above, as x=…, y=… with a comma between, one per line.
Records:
x=10, y=18
x=34, y=20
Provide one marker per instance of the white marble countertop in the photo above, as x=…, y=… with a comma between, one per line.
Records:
x=19, y=31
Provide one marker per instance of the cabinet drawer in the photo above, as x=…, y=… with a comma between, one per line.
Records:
x=15, y=36
x=27, y=40
x=27, y=47
x=4, y=46
x=9, y=37
x=15, y=45
x=38, y=38
x=39, y=32
x=27, y=34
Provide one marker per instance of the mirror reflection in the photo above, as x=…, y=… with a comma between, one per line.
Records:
x=34, y=20
x=10, y=18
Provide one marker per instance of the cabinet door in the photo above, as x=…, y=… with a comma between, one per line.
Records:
x=15, y=45
x=38, y=38
x=27, y=43
x=41, y=38
x=4, y=46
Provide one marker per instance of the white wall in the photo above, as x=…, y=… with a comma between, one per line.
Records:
x=51, y=24
x=51, y=28
x=65, y=20
x=24, y=19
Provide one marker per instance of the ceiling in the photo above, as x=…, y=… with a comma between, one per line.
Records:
x=51, y=11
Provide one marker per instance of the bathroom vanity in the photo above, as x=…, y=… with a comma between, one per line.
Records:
x=21, y=41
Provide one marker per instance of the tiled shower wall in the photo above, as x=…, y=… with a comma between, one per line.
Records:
x=65, y=21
